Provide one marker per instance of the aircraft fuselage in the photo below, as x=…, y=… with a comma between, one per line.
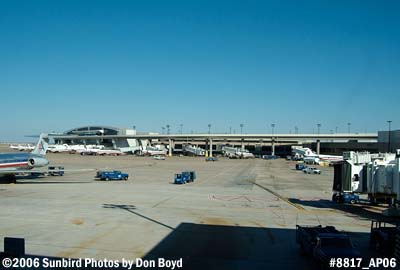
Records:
x=21, y=161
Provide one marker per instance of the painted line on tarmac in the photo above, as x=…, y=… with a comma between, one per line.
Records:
x=278, y=196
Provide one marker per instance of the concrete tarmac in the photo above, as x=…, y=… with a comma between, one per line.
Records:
x=238, y=214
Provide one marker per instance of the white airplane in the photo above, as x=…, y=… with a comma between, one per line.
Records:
x=245, y=154
x=58, y=148
x=79, y=148
x=22, y=147
x=310, y=156
x=14, y=163
x=233, y=152
x=153, y=151
x=194, y=150
x=104, y=152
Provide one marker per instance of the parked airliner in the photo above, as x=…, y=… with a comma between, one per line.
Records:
x=13, y=163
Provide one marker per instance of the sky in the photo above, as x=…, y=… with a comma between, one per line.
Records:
x=65, y=64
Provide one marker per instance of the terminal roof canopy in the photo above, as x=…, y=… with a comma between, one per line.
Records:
x=94, y=130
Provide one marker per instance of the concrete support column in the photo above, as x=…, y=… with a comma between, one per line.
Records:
x=170, y=147
x=318, y=146
x=242, y=144
x=273, y=146
x=211, y=148
x=114, y=144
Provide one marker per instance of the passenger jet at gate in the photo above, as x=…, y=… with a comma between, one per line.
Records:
x=13, y=163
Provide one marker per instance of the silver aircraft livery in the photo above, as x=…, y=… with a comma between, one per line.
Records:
x=13, y=163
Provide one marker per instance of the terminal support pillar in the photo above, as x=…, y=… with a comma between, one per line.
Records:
x=170, y=148
x=114, y=144
x=211, y=148
x=242, y=142
x=318, y=146
x=273, y=146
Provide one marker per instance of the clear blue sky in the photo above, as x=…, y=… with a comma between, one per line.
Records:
x=65, y=64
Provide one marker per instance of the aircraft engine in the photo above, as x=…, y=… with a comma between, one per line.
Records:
x=37, y=162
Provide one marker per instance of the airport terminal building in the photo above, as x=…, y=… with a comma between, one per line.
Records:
x=130, y=141
x=110, y=137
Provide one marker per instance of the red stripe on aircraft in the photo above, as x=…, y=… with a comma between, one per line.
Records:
x=13, y=165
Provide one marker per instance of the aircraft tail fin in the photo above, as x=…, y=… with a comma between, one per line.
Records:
x=309, y=152
x=41, y=146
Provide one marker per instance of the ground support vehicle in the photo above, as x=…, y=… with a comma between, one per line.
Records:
x=383, y=237
x=112, y=175
x=55, y=170
x=345, y=197
x=300, y=166
x=324, y=243
x=311, y=170
x=185, y=177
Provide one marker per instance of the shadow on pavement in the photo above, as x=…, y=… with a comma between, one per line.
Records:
x=223, y=247
x=364, y=211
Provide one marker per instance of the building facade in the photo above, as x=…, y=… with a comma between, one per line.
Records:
x=110, y=137
x=389, y=142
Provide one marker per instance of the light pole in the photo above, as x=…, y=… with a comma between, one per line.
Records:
x=390, y=123
x=348, y=127
x=318, y=126
x=230, y=130
x=273, y=140
x=296, y=130
x=181, y=125
x=241, y=128
x=163, y=130
x=168, y=129
x=209, y=128
x=335, y=129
